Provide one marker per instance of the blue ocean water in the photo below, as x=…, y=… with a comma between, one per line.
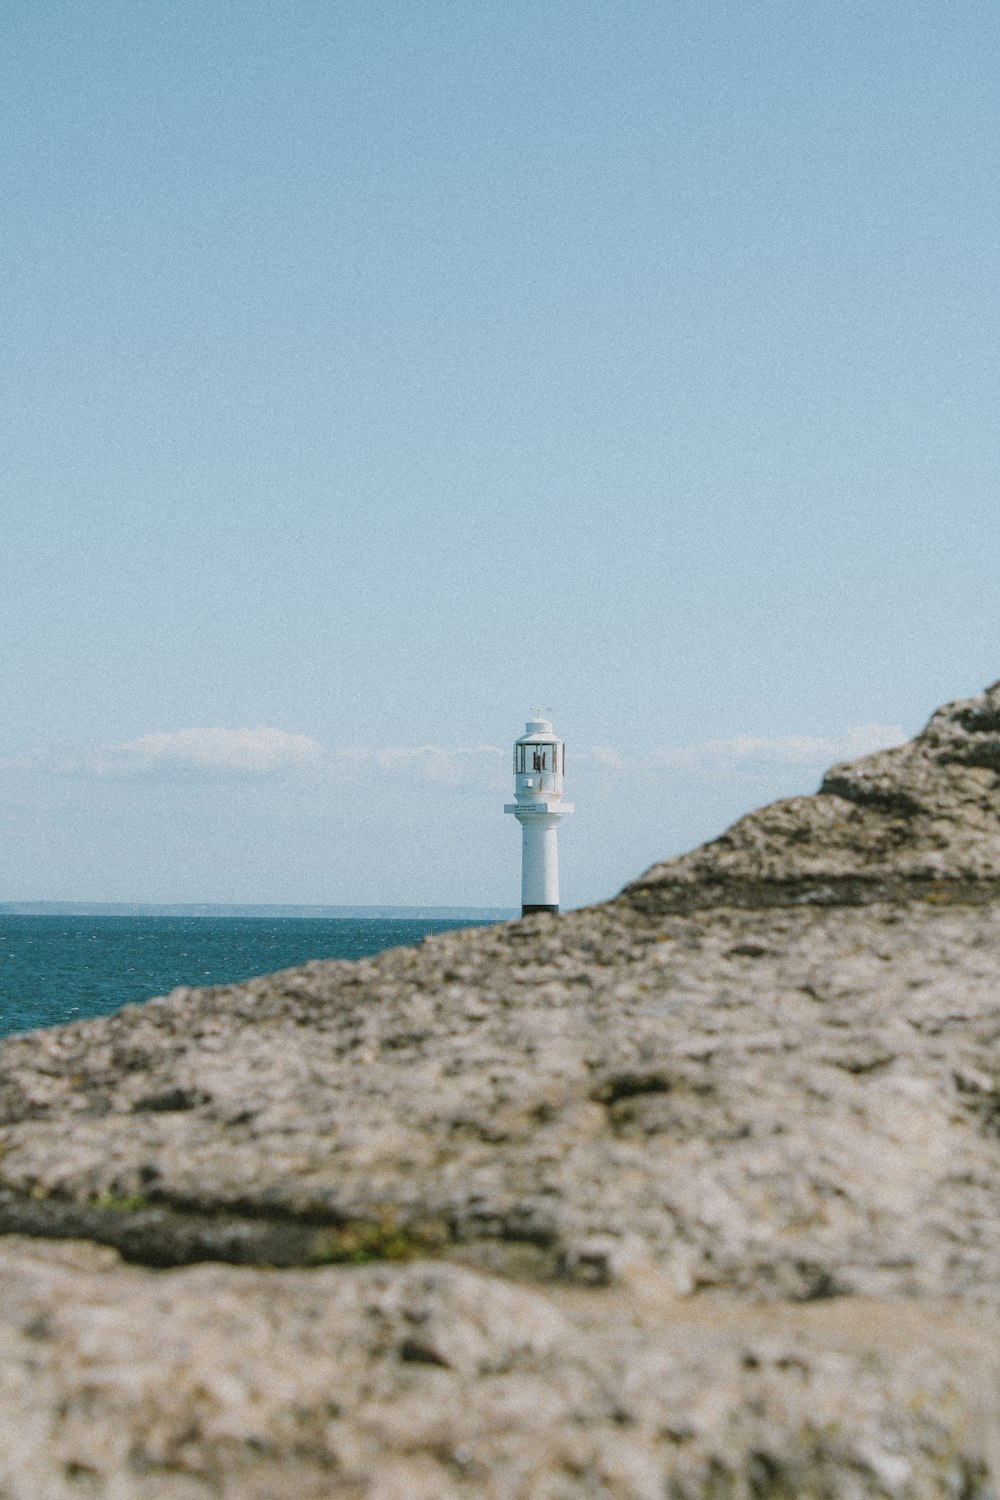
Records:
x=64, y=968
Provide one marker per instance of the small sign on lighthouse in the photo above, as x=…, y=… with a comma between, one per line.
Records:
x=539, y=765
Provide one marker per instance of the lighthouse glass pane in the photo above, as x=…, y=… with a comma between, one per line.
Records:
x=535, y=759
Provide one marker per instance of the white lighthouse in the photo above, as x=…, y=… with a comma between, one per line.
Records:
x=539, y=764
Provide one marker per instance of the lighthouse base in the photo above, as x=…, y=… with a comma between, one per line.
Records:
x=527, y=911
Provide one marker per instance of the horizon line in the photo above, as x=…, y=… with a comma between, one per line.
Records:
x=303, y=909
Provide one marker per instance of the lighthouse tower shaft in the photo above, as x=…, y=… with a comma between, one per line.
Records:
x=539, y=764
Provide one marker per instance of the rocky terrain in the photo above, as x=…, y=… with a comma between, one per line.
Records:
x=693, y=1194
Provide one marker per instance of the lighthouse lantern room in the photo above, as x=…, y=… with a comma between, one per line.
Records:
x=539, y=766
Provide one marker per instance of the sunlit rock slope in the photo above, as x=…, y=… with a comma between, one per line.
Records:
x=696, y=1193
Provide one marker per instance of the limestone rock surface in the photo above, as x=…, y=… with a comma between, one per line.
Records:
x=431, y=1382
x=921, y=812
x=696, y=1193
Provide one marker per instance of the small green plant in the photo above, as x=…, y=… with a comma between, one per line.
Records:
x=366, y=1241
x=120, y=1203
x=359, y=1244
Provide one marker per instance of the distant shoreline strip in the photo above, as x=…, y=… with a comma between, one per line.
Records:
x=203, y=909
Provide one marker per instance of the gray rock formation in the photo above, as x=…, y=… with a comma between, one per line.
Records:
x=924, y=812
x=696, y=1193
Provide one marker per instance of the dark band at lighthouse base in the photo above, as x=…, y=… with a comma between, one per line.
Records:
x=527, y=911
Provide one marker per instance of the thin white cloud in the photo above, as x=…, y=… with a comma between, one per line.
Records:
x=215, y=753
x=190, y=752
x=239, y=750
x=783, y=749
x=220, y=753
x=748, y=752
x=865, y=739
x=454, y=766
x=17, y=762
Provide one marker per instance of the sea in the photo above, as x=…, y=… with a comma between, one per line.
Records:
x=59, y=965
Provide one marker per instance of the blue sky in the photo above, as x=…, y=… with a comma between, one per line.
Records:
x=371, y=372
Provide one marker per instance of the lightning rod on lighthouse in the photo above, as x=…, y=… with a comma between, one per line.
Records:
x=539, y=764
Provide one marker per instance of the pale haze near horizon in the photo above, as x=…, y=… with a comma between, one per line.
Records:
x=372, y=373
